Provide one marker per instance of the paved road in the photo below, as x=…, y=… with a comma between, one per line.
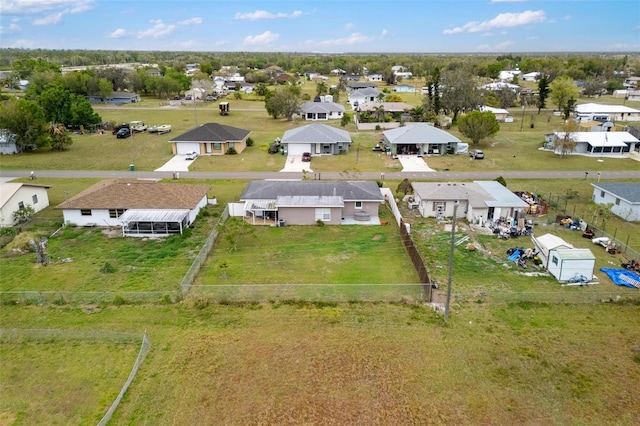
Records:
x=439, y=176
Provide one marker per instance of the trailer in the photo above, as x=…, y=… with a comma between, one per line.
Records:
x=224, y=108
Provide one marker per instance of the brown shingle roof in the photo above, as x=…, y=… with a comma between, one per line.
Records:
x=137, y=194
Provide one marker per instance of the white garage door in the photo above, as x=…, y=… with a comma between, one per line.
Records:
x=298, y=148
x=184, y=147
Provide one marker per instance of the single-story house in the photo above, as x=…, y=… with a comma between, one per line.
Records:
x=547, y=242
x=611, y=144
x=140, y=207
x=359, y=85
x=391, y=107
x=508, y=75
x=211, y=139
x=16, y=196
x=305, y=202
x=615, y=112
x=123, y=98
x=8, y=143
x=632, y=81
x=315, y=111
x=567, y=263
x=197, y=93
x=375, y=77
x=500, y=113
x=531, y=76
x=318, y=139
x=633, y=95
x=419, y=139
x=478, y=201
x=494, y=87
x=625, y=198
x=403, y=74
x=404, y=88
x=362, y=96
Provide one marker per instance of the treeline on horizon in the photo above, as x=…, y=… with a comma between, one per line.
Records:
x=578, y=66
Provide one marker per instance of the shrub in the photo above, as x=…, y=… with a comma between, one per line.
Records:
x=320, y=223
x=232, y=151
x=249, y=142
x=107, y=268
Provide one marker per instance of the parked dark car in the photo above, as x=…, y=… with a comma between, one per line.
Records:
x=117, y=128
x=123, y=133
x=306, y=156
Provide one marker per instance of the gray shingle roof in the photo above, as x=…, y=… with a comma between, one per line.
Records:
x=419, y=133
x=348, y=190
x=626, y=191
x=212, y=132
x=319, y=107
x=316, y=133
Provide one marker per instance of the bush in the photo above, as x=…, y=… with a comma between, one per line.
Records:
x=249, y=142
x=107, y=268
x=232, y=151
x=320, y=223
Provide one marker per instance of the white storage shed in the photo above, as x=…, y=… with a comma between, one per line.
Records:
x=568, y=263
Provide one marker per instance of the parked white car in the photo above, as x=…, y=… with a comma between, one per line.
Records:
x=191, y=155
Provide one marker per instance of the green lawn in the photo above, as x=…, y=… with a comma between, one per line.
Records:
x=341, y=364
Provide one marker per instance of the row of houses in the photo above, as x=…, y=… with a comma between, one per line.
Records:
x=152, y=208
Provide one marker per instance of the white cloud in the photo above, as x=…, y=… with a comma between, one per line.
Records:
x=503, y=20
x=500, y=47
x=355, y=38
x=533, y=38
x=159, y=30
x=11, y=29
x=54, y=18
x=119, y=33
x=350, y=26
x=265, y=38
x=191, y=21
x=23, y=44
x=567, y=17
x=19, y=7
x=384, y=32
x=263, y=14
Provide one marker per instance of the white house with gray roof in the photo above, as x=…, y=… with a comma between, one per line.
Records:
x=615, y=112
x=420, y=139
x=609, y=144
x=362, y=96
x=625, y=198
x=478, y=201
x=321, y=111
x=318, y=139
x=305, y=202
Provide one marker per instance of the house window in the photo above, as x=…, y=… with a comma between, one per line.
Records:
x=231, y=145
x=116, y=213
x=554, y=259
x=34, y=198
x=85, y=212
x=617, y=201
x=358, y=204
x=601, y=194
x=322, y=116
x=20, y=205
x=217, y=146
x=323, y=214
x=439, y=206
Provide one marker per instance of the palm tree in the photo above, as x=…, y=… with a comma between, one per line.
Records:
x=379, y=113
x=321, y=89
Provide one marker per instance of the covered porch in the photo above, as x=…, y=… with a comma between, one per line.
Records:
x=153, y=223
x=261, y=212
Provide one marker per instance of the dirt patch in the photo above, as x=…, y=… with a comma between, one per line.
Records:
x=376, y=237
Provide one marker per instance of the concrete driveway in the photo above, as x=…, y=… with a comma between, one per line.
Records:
x=294, y=163
x=177, y=164
x=413, y=163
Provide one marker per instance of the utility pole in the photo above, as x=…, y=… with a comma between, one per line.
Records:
x=453, y=241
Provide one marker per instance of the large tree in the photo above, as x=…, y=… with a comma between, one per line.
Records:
x=563, y=90
x=283, y=102
x=24, y=120
x=564, y=143
x=543, y=91
x=459, y=92
x=478, y=125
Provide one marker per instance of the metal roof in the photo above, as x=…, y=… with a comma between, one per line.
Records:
x=310, y=201
x=348, y=190
x=136, y=215
x=603, y=139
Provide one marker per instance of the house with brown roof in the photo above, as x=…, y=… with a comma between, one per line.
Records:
x=141, y=207
x=210, y=139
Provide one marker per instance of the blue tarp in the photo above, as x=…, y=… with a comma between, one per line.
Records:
x=623, y=277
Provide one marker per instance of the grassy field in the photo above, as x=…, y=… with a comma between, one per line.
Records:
x=342, y=364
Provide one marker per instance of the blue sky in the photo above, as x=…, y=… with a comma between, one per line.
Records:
x=329, y=26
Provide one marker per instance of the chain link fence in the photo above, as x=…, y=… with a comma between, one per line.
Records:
x=46, y=298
